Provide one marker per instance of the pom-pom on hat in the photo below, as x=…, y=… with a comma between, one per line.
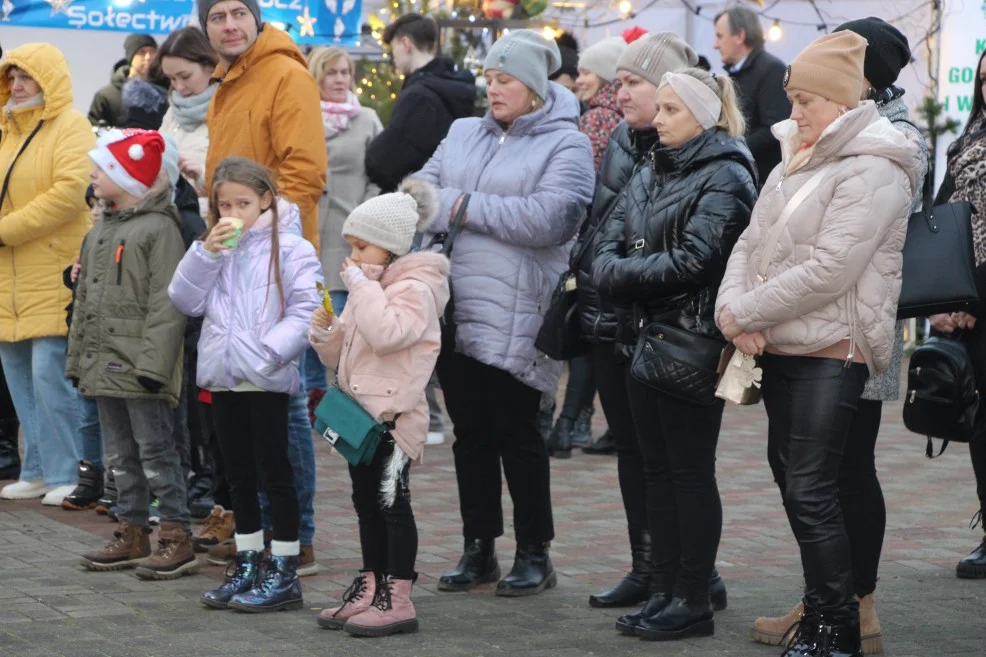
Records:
x=390, y=221
x=131, y=158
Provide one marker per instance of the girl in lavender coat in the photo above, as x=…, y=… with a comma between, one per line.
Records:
x=255, y=284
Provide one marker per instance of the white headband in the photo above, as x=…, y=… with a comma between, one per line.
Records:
x=703, y=103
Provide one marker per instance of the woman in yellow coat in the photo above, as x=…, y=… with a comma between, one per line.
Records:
x=43, y=217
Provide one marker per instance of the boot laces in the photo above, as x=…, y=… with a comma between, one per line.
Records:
x=237, y=569
x=382, y=600
x=166, y=549
x=976, y=520
x=808, y=631
x=355, y=590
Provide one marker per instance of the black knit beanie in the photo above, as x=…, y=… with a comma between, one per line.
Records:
x=569, y=63
x=887, y=52
x=135, y=42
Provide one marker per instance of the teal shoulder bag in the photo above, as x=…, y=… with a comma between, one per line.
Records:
x=348, y=427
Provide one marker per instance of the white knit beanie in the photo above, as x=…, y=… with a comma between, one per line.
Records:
x=390, y=221
x=601, y=58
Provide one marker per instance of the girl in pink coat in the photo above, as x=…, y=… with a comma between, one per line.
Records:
x=384, y=348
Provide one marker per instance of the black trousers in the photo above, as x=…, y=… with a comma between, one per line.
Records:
x=864, y=509
x=581, y=388
x=811, y=404
x=611, y=380
x=253, y=435
x=388, y=536
x=495, y=419
x=678, y=444
x=975, y=341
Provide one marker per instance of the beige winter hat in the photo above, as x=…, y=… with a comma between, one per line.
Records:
x=602, y=57
x=830, y=66
x=390, y=221
x=653, y=55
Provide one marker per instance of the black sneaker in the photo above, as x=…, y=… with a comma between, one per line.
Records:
x=88, y=491
x=108, y=499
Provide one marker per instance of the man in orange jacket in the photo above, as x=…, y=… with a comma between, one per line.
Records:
x=267, y=105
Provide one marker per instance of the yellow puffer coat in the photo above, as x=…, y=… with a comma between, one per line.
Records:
x=43, y=217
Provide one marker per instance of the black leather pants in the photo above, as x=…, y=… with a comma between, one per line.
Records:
x=810, y=405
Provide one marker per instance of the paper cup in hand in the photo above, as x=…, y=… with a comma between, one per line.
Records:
x=232, y=242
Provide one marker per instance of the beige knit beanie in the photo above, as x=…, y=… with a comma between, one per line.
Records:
x=653, y=55
x=602, y=57
x=391, y=220
x=832, y=67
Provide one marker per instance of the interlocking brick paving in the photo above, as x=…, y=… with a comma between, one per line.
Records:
x=50, y=606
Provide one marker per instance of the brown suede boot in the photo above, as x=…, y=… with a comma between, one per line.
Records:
x=869, y=626
x=307, y=565
x=130, y=544
x=775, y=631
x=174, y=556
x=218, y=528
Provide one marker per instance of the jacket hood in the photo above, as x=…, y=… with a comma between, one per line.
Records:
x=271, y=42
x=158, y=199
x=606, y=97
x=457, y=92
x=560, y=112
x=46, y=64
x=147, y=96
x=714, y=144
x=120, y=74
x=429, y=268
x=288, y=218
x=861, y=131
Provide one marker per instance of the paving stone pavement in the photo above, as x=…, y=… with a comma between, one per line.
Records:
x=51, y=606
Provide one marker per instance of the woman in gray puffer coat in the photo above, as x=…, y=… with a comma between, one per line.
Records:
x=529, y=173
x=860, y=495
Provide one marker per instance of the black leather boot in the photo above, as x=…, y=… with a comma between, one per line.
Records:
x=477, y=566
x=678, y=620
x=634, y=588
x=973, y=566
x=532, y=572
x=717, y=591
x=560, y=441
x=627, y=624
x=10, y=459
x=605, y=446
x=819, y=636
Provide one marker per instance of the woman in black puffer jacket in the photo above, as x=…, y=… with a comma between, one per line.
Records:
x=662, y=256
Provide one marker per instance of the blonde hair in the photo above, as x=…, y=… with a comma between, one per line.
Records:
x=320, y=59
x=731, y=118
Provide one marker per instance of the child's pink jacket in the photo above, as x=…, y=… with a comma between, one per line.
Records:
x=385, y=344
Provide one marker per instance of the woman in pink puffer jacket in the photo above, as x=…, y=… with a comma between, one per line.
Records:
x=384, y=348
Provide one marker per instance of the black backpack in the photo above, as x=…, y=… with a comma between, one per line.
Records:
x=942, y=400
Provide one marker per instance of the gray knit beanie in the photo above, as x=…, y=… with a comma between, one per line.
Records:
x=653, y=55
x=391, y=220
x=601, y=58
x=206, y=5
x=528, y=56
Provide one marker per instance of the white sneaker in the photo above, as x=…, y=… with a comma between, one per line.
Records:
x=56, y=495
x=435, y=438
x=24, y=490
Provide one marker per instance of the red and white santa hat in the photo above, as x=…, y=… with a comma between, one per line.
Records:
x=130, y=157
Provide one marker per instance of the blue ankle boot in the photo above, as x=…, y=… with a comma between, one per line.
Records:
x=246, y=572
x=279, y=589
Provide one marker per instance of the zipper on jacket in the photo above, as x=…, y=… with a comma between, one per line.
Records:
x=503, y=137
x=119, y=261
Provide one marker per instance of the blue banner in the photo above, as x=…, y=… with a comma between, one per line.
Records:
x=314, y=22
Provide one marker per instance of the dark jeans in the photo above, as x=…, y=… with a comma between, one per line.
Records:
x=864, y=510
x=140, y=448
x=253, y=434
x=678, y=444
x=494, y=419
x=975, y=341
x=611, y=380
x=581, y=388
x=811, y=404
x=388, y=536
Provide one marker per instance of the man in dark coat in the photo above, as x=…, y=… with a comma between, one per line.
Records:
x=759, y=78
x=107, y=105
x=433, y=96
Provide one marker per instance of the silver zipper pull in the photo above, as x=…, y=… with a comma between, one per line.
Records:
x=779, y=183
x=913, y=394
x=503, y=138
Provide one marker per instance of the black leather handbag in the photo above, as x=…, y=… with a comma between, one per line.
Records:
x=447, y=242
x=939, y=273
x=942, y=399
x=678, y=363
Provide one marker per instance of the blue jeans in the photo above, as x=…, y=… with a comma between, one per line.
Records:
x=90, y=433
x=313, y=373
x=47, y=407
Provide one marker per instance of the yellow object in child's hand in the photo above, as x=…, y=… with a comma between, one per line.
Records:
x=326, y=299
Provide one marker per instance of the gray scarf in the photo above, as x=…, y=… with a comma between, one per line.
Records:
x=190, y=112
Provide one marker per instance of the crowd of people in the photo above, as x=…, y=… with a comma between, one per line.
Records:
x=223, y=179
